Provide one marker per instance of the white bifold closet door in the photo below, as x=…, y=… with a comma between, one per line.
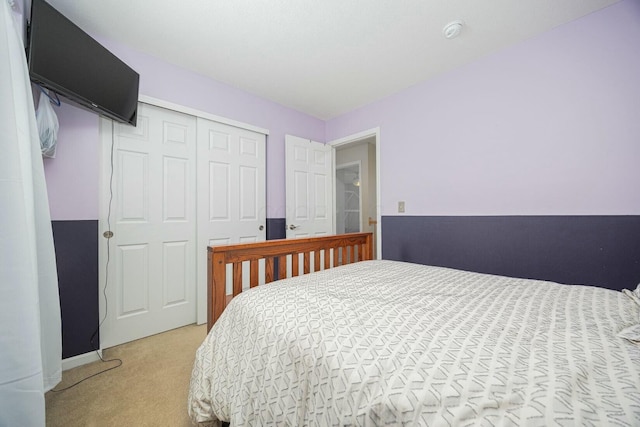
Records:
x=179, y=184
x=231, y=190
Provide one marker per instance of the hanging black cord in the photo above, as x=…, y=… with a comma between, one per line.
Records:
x=104, y=289
x=93, y=375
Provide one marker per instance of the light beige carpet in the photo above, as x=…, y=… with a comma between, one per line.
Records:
x=149, y=389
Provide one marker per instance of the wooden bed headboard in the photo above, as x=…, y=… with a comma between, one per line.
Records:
x=336, y=250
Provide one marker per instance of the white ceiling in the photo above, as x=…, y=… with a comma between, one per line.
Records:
x=321, y=57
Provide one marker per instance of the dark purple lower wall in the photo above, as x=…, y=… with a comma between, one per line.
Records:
x=276, y=228
x=76, y=246
x=593, y=250
x=600, y=251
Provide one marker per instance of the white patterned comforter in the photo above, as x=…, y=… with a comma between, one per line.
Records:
x=390, y=343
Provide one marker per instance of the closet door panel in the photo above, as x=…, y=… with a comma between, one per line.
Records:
x=231, y=191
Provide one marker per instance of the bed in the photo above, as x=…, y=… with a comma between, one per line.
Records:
x=372, y=343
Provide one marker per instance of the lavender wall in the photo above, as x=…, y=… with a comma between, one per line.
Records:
x=548, y=126
x=73, y=176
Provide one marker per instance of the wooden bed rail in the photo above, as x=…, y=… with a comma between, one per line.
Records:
x=336, y=250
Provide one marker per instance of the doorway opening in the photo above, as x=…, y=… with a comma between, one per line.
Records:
x=357, y=185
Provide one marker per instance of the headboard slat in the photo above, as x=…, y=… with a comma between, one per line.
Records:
x=294, y=265
x=307, y=262
x=268, y=274
x=254, y=270
x=237, y=278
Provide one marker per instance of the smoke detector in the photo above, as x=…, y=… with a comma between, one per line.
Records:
x=452, y=29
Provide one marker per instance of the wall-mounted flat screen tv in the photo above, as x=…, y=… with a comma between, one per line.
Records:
x=66, y=60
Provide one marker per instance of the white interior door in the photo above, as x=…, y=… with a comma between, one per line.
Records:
x=152, y=254
x=231, y=192
x=309, y=187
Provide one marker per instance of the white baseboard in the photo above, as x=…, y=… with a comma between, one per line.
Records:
x=79, y=360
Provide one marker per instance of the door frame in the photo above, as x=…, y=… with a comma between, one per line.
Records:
x=105, y=130
x=350, y=139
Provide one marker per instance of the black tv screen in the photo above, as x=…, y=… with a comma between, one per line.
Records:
x=65, y=59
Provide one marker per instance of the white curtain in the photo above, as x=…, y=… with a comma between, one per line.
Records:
x=30, y=330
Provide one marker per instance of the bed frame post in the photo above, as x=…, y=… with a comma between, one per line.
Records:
x=217, y=286
x=368, y=247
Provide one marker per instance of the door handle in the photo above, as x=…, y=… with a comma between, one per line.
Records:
x=293, y=227
x=261, y=228
x=372, y=221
